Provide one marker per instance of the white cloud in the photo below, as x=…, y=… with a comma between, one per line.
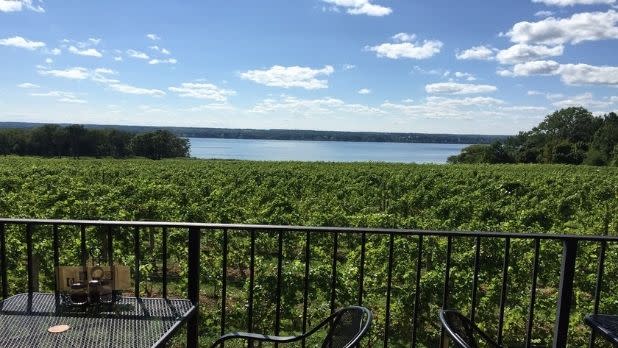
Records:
x=440, y=72
x=19, y=5
x=580, y=27
x=404, y=37
x=476, y=52
x=28, y=85
x=521, y=53
x=153, y=37
x=137, y=54
x=163, y=61
x=89, y=52
x=64, y=97
x=76, y=73
x=94, y=41
x=584, y=74
x=544, y=14
x=548, y=96
x=18, y=41
x=160, y=49
x=348, y=66
x=287, y=77
x=586, y=100
x=541, y=67
x=105, y=71
x=54, y=52
x=563, y=3
x=458, y=88
x=100, y=75
x=464, y=75
x=289, y=105
x=446, y=108
x=406, y=49
x=118, y=59
x=361, y=7
x=128, y=89
x=202, y=91
x=571, y=74
x=49, y=60
x=364, y=91
x=72, y=101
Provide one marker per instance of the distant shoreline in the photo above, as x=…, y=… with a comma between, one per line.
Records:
x=292, y=134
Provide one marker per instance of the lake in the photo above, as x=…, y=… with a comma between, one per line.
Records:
x=327, y=151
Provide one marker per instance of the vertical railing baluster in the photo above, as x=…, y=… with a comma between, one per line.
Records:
x=164, y=256
x=224, y=281
x=193, y=280
x=475, y=279
x=361, y=273
x=565, y=292
x=251, y=284
x=417, y=289
x=30, y=260
x=83, y=251
x=598, y=288
x=279, y=280
x=503, y=290
x=110, y=259
x=56, y=250
x=138, y=257
x=333, y=279
x=306, y=285
x=5, y=287
x=535, y=273
x=389, y=281
x=445, y=293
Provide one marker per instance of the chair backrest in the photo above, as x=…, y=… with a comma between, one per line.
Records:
x=464, y=332
x=348, y=326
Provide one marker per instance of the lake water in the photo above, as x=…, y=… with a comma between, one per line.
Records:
x=328, y=151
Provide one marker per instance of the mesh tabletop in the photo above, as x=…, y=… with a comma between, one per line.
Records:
x=606, y=325
x=130, y=322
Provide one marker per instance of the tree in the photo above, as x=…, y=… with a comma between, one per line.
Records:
x=570, y=136
x=606, y=137
x=159, y=144
x=481, y=153
x=575, y=124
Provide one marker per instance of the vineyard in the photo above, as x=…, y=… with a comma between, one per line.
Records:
x=551, y=199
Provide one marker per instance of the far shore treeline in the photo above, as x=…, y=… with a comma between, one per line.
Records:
x=294, y=134
x=78, y=141
x=568, y=136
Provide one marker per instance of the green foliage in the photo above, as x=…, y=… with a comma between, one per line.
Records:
x=77, y=141
x=479, y=153
x=568, y=136
x=517, y=198
x=159, y=144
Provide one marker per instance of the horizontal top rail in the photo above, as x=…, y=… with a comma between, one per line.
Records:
x=250, y=227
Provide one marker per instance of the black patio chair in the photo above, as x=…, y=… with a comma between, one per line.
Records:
x=347, y=326
x=464, y=332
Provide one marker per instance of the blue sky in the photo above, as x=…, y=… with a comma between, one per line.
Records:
x=437, y=66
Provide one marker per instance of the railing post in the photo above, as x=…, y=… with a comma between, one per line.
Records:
x=5, y=287
x=565, y=295
x=194, y=286
x=30, y=261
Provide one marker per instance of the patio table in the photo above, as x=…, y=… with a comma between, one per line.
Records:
x=606, y=325
x=129, y=322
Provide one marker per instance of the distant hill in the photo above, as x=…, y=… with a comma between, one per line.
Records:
x=292, y=134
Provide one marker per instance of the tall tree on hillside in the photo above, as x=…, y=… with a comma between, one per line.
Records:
x=605, y=139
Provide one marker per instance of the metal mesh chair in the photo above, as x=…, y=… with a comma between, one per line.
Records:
x=464, y=332
x=347, y=326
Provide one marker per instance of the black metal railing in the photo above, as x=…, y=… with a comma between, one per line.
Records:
x=196, y=232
